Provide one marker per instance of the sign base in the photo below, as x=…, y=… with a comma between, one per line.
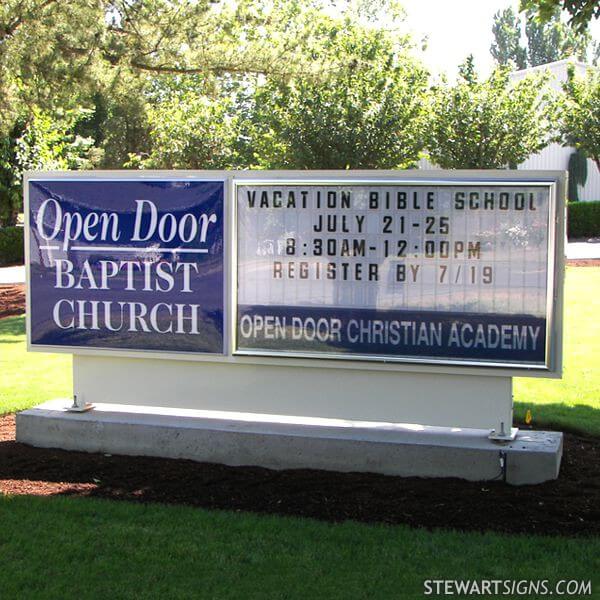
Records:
x=288, y=442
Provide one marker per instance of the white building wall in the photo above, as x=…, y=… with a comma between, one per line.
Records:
x=425, y=164
x=555, y=156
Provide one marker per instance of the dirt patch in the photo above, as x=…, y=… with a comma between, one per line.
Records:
x=568, y=506
x=583, y=262
x=12, y=300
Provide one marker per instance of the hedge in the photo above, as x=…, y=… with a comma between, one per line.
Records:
x=583, y=219
x=12, y=246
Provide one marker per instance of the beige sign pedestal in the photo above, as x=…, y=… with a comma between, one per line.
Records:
x=434, y=399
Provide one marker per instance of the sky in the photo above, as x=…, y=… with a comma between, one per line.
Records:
x=457, y=28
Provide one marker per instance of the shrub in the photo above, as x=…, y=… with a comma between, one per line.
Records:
x=577, y=174
x=12, y=245
x=583, y=219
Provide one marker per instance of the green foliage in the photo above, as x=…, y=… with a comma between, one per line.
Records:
x=350, y=115
x=577, y=174
x=48, y=55
x=57, y=54
x=581, y=11
x=208, y=37
x=552, y=40
x=367, y=113
x=49, y=143
x=579, y=114
x=10, y=190
x=188, y=130
x=118, y=122
x=583, y=220
x=506, y=48
x=12, y=250
x=44, y=142
x=156, y=76
x=106, y=55
x=487, y=124
x=547, y=41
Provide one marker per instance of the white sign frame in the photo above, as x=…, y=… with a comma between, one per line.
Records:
x=231, y=357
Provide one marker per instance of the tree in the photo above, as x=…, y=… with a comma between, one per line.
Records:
x=553, y=40
x=596, y=53
x=10, y=191
x=103, y=56
x=55, y=53
x=581, y=11
x=190, y=131
x=48, y=143
x=546, y=41
x=46, y=55
x=487, y=124
x=42, y=142
x=579, y=114
x=507, y=39
x=119, y=120
x=367, y=113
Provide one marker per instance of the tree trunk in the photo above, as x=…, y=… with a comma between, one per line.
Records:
x=9, y=209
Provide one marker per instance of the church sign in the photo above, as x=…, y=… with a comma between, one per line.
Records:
x=357, y=266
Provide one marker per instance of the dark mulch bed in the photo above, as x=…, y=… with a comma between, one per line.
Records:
x=568, y=506
x=12, y=300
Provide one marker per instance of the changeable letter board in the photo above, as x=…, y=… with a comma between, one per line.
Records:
x=396, y=271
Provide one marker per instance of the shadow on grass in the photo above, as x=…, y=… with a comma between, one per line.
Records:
x=579, y=418
x=12, y=326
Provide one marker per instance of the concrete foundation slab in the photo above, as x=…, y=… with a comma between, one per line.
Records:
x=288, y=442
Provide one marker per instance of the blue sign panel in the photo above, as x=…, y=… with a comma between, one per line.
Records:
x=414, y=334
x=127, y=264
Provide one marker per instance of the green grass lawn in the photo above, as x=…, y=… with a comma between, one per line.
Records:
x=83, y=548
x=572, y=403
x=65, y=548
x=28, y=378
